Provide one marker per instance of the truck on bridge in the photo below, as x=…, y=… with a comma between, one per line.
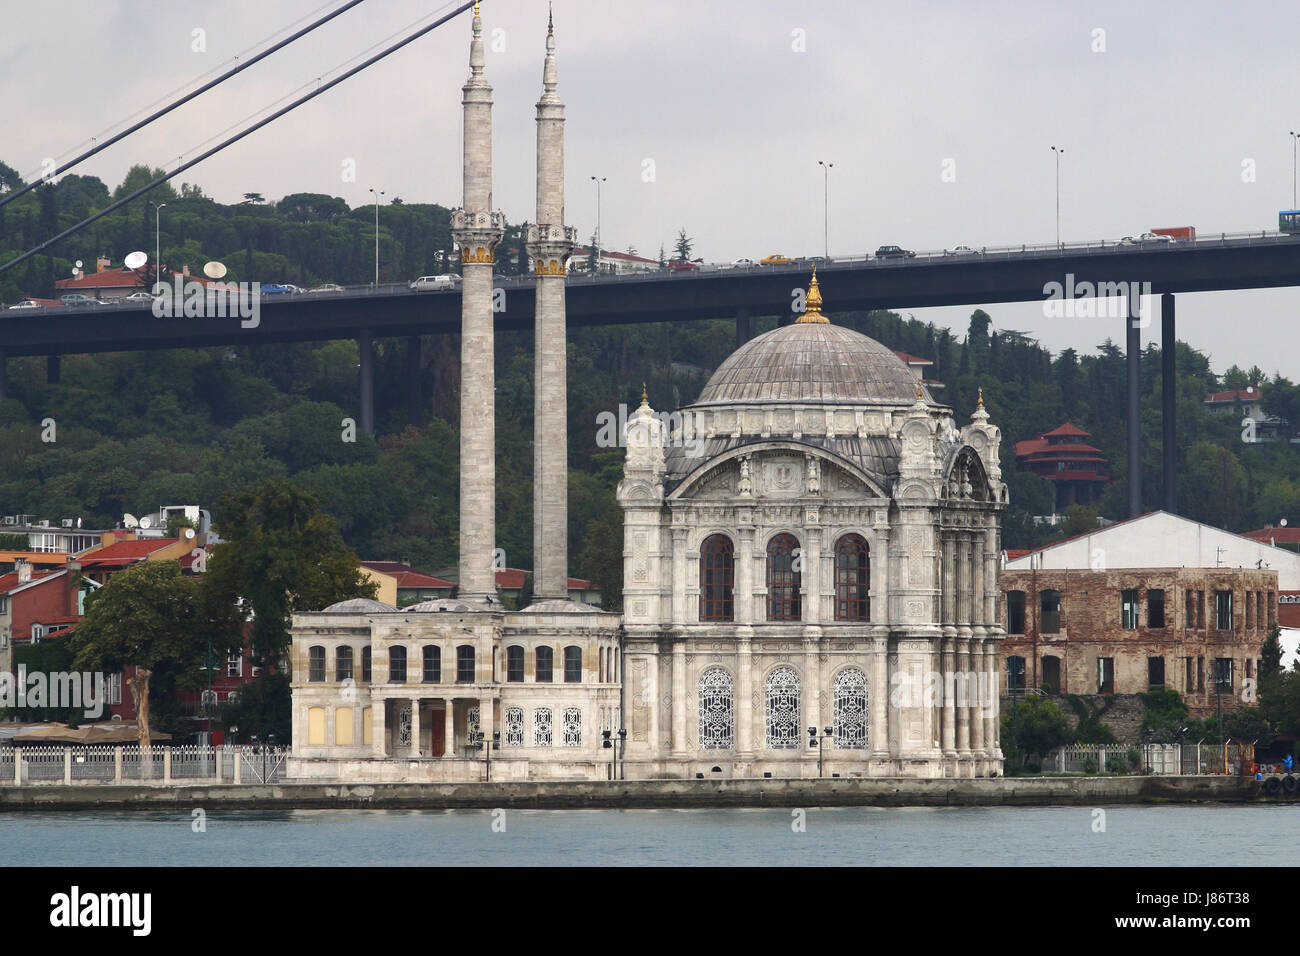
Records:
x=1179, y=233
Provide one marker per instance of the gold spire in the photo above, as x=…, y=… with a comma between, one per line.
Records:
x=550, y=21
x=812, y=311
x=981, y=401
x=920, y=395
x=475, y=7
x=645, y=397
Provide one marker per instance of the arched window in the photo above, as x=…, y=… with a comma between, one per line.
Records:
x=852, y=579
x=717, y=722
x=343, y=663
x=783, y=709
x=850, y=725
x=365, y=664
x=573, y=664
x=783, y=578
x=542, y=727
x=514, y=726
x=465, y=664
x=717, y=578
x=572, y=727
x=515, y=665
x=316, y=664
x=545, y=665
x=397, y=665
x=432, y=664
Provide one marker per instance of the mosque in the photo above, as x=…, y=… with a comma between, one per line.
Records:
x=810, y=567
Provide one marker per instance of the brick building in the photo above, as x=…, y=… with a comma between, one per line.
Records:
x=1127, y=631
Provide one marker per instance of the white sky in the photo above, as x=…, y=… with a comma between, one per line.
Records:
x=1155, y=129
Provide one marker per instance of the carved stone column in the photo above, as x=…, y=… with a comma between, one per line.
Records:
x=415, y=728
x=744, y=695
x=679, y=698
x=679, y=576
x=878, y=698
x=963, y=712
x=744, y=593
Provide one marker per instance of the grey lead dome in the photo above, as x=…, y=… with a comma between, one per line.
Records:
x=811, y=363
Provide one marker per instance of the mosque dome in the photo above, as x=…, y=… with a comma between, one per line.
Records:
x=811, y=362
x=358, y=606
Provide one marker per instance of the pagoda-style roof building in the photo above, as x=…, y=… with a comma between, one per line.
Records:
x=1064, y=457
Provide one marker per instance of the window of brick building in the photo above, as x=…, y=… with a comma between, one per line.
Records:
x=1250, y=610
x=1105, y=675
x=1155, y=607
x=1223, y=673
x=1200, y=673
x=1050, y=605
x=1200, y=609
x=1155, y=673
x=1015, y=612
x=1189, y=675
x=1128, y=609
x=1223, y=610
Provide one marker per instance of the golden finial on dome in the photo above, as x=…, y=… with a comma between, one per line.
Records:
x=476, y=7
x=812, y=311
x=645, y=396
x=980, y=404
x=550, y=21
x=920, y=395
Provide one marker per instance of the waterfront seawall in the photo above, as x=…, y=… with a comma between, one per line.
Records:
x=629, y=794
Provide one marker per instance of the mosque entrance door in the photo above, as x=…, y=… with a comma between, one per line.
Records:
x=439, y=722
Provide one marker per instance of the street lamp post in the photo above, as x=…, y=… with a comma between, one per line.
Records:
x=618, y=746
x=377, y=193
x=157, y=242
x=1058, y=150
x=480, y=741
x=826, y=186
x=598, y=180
x=816, y=740
x=1294, y=136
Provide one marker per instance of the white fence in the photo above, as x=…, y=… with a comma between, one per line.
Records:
x=129, y=764
x=1164, y=759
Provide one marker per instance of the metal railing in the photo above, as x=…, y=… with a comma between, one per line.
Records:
x=128, y=764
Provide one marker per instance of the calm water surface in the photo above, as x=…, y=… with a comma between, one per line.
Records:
x=1137, y=836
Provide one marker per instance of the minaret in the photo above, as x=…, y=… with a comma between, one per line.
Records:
x=550, y=244
x=477, y=230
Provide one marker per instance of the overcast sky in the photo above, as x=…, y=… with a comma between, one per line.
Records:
x=712, y=114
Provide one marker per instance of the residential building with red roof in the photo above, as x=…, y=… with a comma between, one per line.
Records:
x=1251, y=399
x=33, y=603
x=510, y=584
x=1076, y=469
x=401, y=585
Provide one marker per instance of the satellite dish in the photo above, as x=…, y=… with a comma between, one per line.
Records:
x=135, y=260
x=1282, y=522
x=215, y=270
x=189, y=532
x=130, y=521
x=146, y=522
x=78, y=263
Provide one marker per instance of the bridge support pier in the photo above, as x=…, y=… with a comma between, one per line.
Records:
x=1169, y=403
x=413, y=396
x=52, y=370
x=744, y=326
x=1133, y=358
x=4, y=382
x=366, y=343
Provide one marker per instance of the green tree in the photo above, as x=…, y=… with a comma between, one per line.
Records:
x=280, y=553
x=682, y=247
x=147, y=616
x=1034, y=727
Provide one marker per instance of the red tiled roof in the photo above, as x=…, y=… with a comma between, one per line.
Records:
x=514, y=578
x=1067, y=429
x=108, y=279
x=1288, y=614
x=1013, y=553
x=407, y=576
x=581, y=253
x=10, y=581
x=1249, y=394
x=912, y=359
x=126, y=552
x=1270, y=535
x=1035, y=445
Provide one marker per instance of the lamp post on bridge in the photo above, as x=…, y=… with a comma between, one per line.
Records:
x=1294, y=136
x=157, y=242
x=826, y=187
x=598, y=180
x=377, y=194
x=1058, y=150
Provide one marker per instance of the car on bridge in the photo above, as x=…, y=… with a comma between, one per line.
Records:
x=894, y=252
x=327, y=287
x=961, y=251
x=432, y=283
x=139, y=297
x=272, y=288
x=776, y=259
x=683, y=265
x=26, y=304
x=1156, y=237
x=76, y=298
